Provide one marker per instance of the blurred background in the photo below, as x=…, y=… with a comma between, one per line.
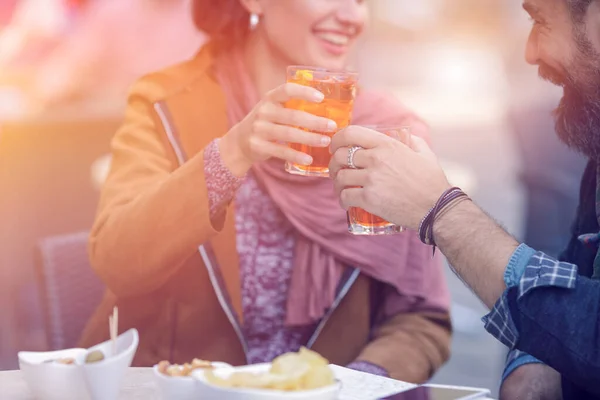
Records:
x=65, y=66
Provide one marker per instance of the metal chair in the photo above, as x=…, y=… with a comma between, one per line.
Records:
x=70, y=291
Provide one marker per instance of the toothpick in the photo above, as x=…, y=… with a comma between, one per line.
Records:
x=113, y=326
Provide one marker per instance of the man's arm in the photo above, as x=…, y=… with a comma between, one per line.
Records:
x=555, y=318
x=477, y=247
x=526, y=377
x=550, y=313
x=547, y=311
x=532, y=381
x=401, y=184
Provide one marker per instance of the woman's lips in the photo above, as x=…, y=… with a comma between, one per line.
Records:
x=333, y=42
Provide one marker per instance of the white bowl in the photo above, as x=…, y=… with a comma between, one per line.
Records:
x=98, y=381
x=180, y=387
x=209, y=391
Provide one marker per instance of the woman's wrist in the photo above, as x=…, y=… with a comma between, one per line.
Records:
x=221, y=184
x=232, y=155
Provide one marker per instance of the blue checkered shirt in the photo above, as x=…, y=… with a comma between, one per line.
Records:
x=538, y=270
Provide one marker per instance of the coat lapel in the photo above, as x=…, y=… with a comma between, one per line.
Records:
x=197, y=114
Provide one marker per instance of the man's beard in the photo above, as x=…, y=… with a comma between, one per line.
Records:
x=578, y=121
x=578, y=114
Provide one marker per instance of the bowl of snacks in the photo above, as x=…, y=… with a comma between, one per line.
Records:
x=81, y=374
x=175, y=382
x=295, y=376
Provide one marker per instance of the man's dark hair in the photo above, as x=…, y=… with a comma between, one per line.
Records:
x=579, y=8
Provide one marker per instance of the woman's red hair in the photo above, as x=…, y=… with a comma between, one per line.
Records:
x=225, y=21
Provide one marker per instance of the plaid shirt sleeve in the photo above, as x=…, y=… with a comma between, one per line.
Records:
x=539, y=271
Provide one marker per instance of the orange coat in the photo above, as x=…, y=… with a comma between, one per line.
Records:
x=175, y=275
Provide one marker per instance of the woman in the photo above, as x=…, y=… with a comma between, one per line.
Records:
x=211, y=250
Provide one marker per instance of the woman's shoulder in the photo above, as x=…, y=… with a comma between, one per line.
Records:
x=162, y=84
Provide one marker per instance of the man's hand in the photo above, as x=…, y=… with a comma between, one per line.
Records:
x=532, y=382
x=401, y=183
x=393, y=181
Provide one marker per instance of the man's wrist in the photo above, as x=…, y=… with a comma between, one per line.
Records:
x=449, y=217
x=429, y=203
x=476, y=247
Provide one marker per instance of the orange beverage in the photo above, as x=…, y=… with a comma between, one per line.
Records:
x=339, y=89
x=361, y=222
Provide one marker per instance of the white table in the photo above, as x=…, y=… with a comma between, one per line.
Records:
x=138, y=385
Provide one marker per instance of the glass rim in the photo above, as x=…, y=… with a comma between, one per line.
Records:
x=404, y=128
x=323, y=70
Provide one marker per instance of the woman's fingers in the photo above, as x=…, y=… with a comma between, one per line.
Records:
x=289, y=134
x=300, y=119
x=289, y=91
x=266, y=149
x=274, y=125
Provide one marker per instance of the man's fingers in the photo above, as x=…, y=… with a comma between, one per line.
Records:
x=351, y=197
x=339, y=160
x=358, y=136
x=348, y=178
x=419, y=145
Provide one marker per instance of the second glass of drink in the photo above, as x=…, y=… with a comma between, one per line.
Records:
x=339, y=89
x=361, y=222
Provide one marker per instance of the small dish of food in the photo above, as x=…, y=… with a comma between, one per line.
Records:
x=175, y=382
x=81, y=374
x=295, y=376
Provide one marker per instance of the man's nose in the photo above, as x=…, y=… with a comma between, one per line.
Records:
x=532, y=55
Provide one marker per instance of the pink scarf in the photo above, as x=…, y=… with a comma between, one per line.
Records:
x=324, y=248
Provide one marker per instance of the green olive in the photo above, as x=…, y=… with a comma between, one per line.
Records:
x=94, y=356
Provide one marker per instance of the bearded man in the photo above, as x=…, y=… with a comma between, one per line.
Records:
x=540, y=306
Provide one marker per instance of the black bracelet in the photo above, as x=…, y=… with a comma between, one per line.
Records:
x=447, y=198
x=426, y=222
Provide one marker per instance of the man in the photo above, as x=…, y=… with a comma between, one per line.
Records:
x=543, y=307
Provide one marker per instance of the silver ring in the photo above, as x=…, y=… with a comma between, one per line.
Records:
x=351, y=151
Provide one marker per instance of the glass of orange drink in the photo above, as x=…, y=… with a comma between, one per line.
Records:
x=339, y=88
x=361, y=222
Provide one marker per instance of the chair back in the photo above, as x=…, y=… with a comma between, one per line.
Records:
x=70, y=290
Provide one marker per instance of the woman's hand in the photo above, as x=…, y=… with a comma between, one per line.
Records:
x=269, y=127
x=393, y=181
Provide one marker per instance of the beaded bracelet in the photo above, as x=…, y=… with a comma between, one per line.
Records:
x=450, y=197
